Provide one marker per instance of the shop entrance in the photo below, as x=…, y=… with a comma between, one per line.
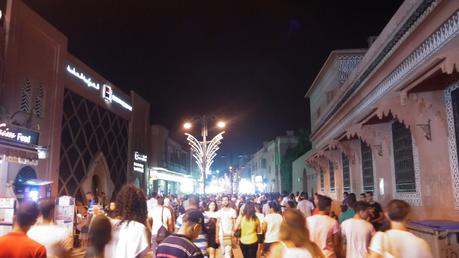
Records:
x=98, y=179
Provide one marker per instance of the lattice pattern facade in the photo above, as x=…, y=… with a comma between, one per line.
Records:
x=88, y=129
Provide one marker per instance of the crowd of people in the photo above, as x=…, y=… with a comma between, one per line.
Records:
x=263, y=225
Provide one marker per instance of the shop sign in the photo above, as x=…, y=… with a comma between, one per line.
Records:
x=107, y=91
x=140, y=157
x=139, y=167
x=18, y=134
x=20, y=160
x=87, y=80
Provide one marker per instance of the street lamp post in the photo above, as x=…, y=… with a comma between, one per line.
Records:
x=204, y=151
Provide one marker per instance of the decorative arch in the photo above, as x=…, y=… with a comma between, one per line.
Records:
x=98, y=168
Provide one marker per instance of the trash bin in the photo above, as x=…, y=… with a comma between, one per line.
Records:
x=442, y=236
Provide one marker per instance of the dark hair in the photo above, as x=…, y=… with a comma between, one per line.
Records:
x=249, y=211
x=398, y=210
x=132, y=204
x=291, y=204
x=304, y=195
x=193, y=200
x=351, y=199
x=89, y=193
x=324, y=202
x=46, y=207
x=258, y=206
x=27, y=214
x=100, y=232
x=208, y=205
x=275, y=206
x=370, y=193
x=160, y=200
x=360, y=206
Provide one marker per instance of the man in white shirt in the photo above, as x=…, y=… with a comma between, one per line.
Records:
x=225, y=225
x=357, y=232
x=159, y=216
x=152, y=202
x=304, y=205
x=397, y=241
x=57, y=240
x=324, y=230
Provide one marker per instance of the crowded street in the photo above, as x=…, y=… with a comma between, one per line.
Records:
x=229, y=129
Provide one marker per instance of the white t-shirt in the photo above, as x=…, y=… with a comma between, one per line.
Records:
x=306, y=207
x=151, y=204
x=128, y=240
x=227, y=215
x=322, y=228
x=295, y=252
x=56, y=240
x=261, y=218
x=155, y=214
x=357, y=233
x=273, y=222
x=402, y=244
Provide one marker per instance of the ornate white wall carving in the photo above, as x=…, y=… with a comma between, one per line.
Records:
x=452, y=142
x=447, y=31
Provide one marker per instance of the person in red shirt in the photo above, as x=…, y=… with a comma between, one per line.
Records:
x=17, y=244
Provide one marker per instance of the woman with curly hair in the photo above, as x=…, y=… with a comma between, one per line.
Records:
x=131, y=237
x=294, y=238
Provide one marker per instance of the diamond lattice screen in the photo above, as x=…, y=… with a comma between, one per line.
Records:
x=88, y=129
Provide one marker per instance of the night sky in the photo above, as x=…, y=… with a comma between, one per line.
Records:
x=250, y=62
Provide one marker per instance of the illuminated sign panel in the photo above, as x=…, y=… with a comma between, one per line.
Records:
x=139, y=162
x=139, y=167
x=87, y=80
x=107, y=91
x=140, y=157
x=18, y=134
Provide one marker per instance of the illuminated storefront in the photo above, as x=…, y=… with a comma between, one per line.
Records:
x=89, y=129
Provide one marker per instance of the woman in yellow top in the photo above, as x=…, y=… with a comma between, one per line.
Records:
x=249, y=225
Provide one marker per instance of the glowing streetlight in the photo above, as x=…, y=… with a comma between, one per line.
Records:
x=187, y=125
x=221, y=124
x=204, y=151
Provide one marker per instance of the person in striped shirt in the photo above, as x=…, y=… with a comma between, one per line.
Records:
x=201, y=241
x=180, y=245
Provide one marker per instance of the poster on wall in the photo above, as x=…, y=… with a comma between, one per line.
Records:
x=6, y=215
x=64, y=212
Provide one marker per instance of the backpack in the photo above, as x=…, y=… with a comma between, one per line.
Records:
x=162, y=233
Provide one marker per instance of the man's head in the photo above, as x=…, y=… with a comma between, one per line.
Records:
x=304, y=196
x=345, y=194
x=361, y=208
x=112, y=206
x=193, y=202
x=193, y=222
x=397, y=210
x=89, y=196
x=225, y=201
x=160, y=200
x=46, y=208
x=351, y=199
x=100, y=232
x=324, y=203
x=26, y=215
x=363, y=197
x=369, y=197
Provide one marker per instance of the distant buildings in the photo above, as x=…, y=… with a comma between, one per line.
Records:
x=264, y=167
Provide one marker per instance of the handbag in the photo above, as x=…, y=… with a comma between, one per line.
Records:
x=162, y=233
x=237, y=233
